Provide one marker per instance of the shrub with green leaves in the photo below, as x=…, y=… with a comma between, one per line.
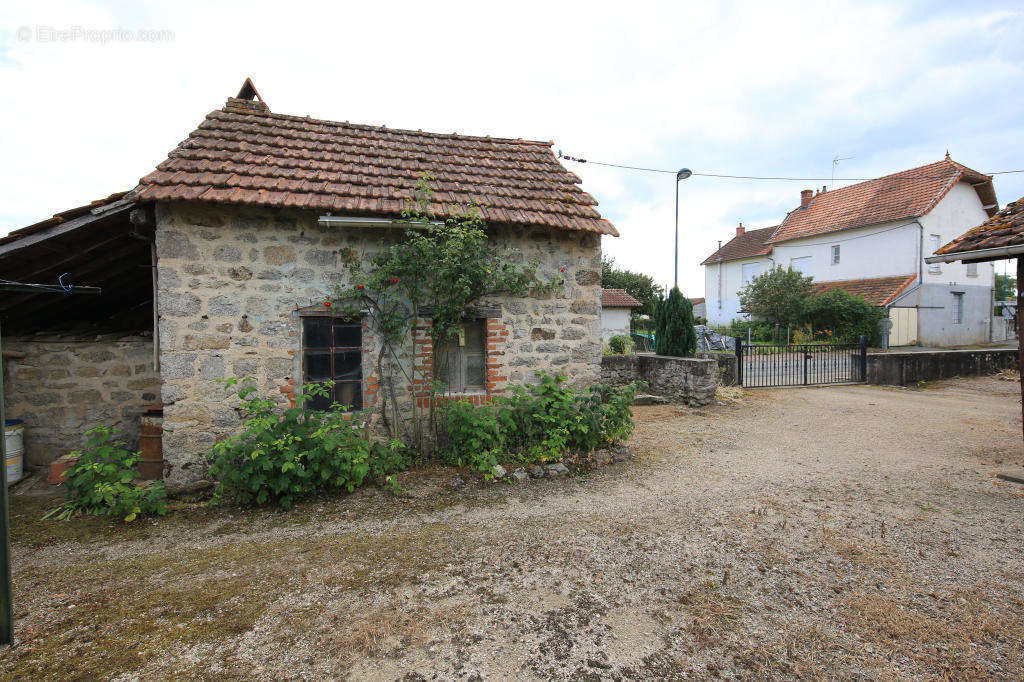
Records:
x=538, y=423
x=621, y=344
x=285, y=454
x=104, y=481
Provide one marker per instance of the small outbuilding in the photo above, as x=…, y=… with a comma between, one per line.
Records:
x=616, y=310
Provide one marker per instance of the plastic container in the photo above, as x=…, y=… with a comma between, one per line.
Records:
x=14, y=442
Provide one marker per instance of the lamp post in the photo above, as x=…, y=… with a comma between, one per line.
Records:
x=681, y=175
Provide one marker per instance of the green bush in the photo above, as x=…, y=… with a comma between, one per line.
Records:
x=621, y=344
x=845, y=315
x=286, y=454
x=760, y=331
x=538, y=423
x=103, y=481
x=474, y=436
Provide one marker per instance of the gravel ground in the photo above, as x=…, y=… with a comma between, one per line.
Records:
x=841, y=532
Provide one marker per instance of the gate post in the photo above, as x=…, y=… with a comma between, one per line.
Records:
x=739, y=361
x=863, y=358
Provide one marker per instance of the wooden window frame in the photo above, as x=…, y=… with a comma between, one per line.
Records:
x=463, y=356
x=332, y=349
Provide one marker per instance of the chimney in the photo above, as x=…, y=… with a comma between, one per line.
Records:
x=805, y=197
x=740, y=230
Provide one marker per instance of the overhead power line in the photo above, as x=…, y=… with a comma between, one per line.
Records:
x=763, y=177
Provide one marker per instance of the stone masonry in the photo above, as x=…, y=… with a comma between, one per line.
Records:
x=690, y=381
x=61, y=388
x=232, y=282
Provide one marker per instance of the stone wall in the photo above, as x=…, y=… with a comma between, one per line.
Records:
x=727, y=365
x=690, y=381
x=232, y=281
x=902, y=369
x=61, y=388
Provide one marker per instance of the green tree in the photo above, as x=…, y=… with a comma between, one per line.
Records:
x=674, y=333
x=845, y=315
x=640, y=287
x=1006, y=288
x=778, y=295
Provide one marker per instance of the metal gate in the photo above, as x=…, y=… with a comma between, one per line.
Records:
x=801, y=364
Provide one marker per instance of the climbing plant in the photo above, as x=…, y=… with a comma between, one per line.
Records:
x=445, y=266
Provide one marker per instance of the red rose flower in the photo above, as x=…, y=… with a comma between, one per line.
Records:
x=327, y=304
x=394, y=280
x=360, y=287
x=563, y=269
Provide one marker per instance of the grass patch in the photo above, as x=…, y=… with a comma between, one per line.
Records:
x=96, y=620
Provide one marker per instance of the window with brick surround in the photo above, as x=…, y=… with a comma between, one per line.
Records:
x=461, y=363
x=332, y=349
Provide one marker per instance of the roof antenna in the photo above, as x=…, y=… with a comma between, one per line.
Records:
x=835, y=162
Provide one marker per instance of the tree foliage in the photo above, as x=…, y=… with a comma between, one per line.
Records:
x=1006, y=288
x=778, y=295
x=845, y=315
x=641, y=287
x=674, y=333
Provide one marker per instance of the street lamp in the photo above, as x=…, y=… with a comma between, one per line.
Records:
x=681, y=175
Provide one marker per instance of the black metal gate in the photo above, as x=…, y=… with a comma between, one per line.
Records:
x=801, y=364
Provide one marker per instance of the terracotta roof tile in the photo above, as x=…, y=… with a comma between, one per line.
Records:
x=747, y=245
x=245, y=154
x=907, y=194
x=876, y=291
x=62, y=217
x=618, y=298
x=1005, y=228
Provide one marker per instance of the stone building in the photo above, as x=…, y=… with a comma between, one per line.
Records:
x=226, y=253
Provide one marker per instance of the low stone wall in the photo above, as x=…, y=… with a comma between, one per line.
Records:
x=726, y=366
x=901, y=369
x=692, y=381
x=61, y=388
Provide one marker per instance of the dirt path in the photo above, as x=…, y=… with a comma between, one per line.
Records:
x=840, y=532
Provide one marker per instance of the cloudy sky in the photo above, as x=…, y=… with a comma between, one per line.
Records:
x=738, y=88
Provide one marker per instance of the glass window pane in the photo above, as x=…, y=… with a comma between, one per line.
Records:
x=349, y=393
x=316, y=332
x=474, y=337
x=318, y=366
x=475, y=371
x=347, y=364
x=347, y=335
x=452, y=371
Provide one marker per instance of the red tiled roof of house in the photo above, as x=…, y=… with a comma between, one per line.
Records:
x=907, y=194
x=876, y=291
x=618, y=298
x=695, y=301
x=244, y=154
x=1005, y=228
x=747, y=245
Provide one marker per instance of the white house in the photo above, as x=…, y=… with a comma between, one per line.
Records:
x=872, y=239
x=616, y=309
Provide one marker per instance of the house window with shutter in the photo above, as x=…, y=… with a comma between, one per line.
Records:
x=835, y=254
x=332, y=349
x=972, y=269
x=461, y=362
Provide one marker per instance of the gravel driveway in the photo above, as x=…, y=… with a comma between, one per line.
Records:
x=841, y=532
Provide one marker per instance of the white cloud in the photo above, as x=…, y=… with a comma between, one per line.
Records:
x=749, y=88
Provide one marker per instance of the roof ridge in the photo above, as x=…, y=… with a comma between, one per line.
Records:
x=266, y=113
